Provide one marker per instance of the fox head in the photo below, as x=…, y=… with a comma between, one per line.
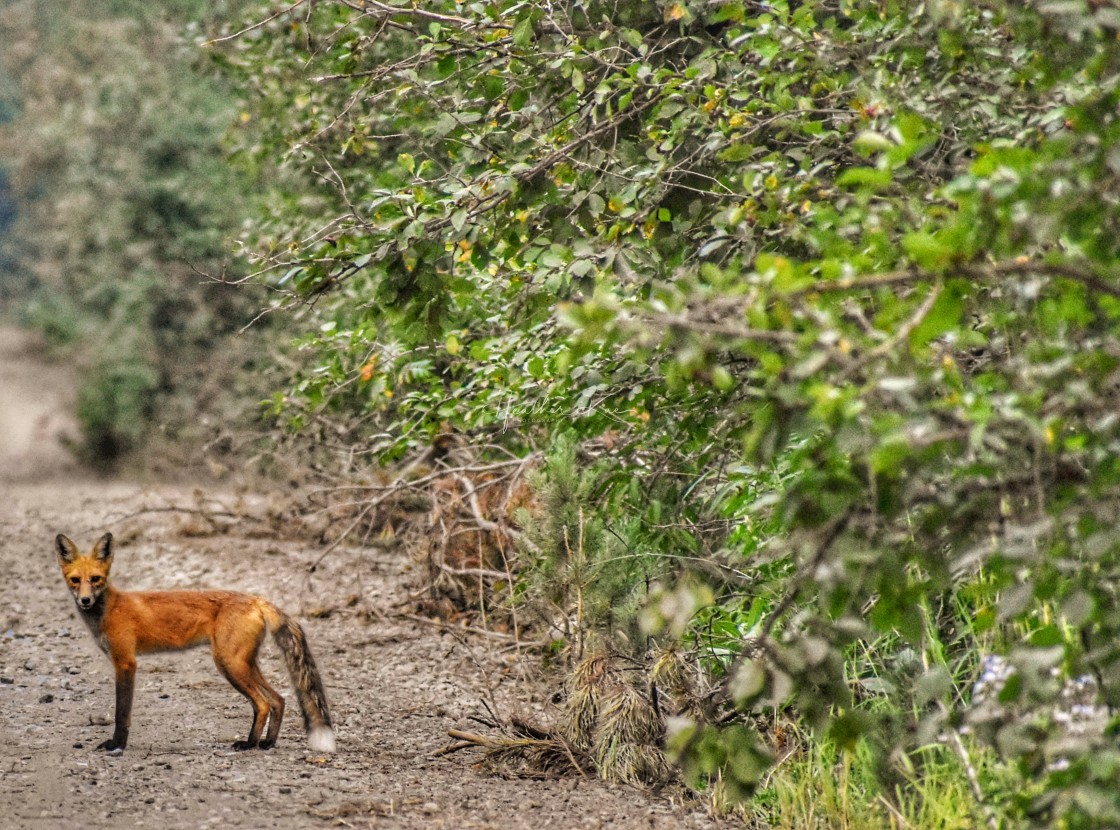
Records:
x=87, y=574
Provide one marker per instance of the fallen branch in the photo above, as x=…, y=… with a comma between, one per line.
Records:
x=541, y=755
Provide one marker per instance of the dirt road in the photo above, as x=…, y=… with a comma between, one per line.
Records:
x=395, y=686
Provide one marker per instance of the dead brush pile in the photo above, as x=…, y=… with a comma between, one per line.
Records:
x=612, y=723
x=456, y=515
x=470, y=540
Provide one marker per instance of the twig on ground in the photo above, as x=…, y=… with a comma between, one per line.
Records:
x=481, y=632
x=209, y=515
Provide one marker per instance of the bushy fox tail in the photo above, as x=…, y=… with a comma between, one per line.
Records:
x=292, y=643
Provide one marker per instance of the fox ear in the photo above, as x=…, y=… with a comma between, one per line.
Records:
x=67, y=551
x=103, y=550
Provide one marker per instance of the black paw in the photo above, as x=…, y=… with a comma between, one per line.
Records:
x=111, y=746
x=266, y=744
x=241, y=746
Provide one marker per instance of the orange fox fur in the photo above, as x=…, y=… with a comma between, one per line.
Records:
x=128, y=623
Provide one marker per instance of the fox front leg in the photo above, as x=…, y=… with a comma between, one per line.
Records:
x=126, y=677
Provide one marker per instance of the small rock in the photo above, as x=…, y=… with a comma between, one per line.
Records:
x=7, y=680
x=78, y=745
x=164, y=697
x=285, y=790
x=74, y=670
x=47, y=698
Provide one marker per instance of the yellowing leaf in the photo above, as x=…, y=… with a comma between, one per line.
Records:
x=870, y=141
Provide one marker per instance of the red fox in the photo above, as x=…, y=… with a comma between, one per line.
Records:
x=127, y=623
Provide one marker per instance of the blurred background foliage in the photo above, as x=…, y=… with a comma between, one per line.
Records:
x=119, y=200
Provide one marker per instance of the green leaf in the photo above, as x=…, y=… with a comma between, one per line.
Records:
x=722, y=379
x=728, y=12
x=864, y=178
x=927, y=251
x=447, y=65
x=738, y=152
x=945, y=315
x=523, y=32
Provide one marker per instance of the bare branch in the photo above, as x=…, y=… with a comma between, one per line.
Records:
x=372, y=7
x=256, y=25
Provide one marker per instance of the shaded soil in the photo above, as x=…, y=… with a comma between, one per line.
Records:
x=396, y=686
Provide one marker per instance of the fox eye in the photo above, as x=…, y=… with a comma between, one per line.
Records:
x=75, y=581
x=93, y=580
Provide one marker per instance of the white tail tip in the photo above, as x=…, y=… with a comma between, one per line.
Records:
x=321, y=739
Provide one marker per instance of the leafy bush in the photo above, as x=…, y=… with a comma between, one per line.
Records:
x=862, y=250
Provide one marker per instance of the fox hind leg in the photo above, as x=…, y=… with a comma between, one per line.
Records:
x=235, y=654
x=239, y=674
x=275, y=708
